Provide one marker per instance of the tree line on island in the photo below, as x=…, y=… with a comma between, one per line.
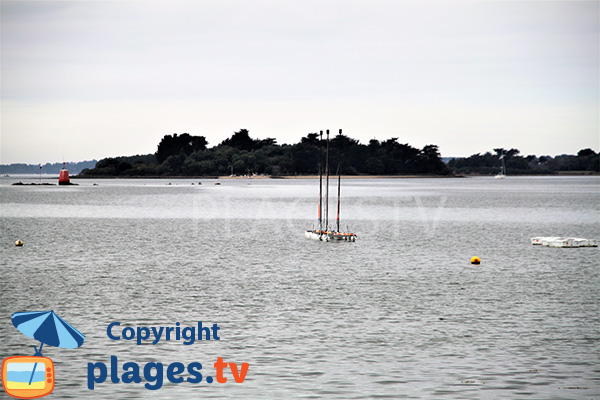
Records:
x=47, y=168
x=188, y=155
x=586, y=160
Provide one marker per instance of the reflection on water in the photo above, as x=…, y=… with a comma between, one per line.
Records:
x=401, y=313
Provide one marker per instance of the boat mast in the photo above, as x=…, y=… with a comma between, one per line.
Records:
x=339, y=178
x=320, y=180
x=327, y=184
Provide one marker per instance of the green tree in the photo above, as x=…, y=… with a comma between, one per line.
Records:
x=171, y=145
x=240, y=140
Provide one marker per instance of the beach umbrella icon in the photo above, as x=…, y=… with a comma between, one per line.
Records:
x=48, y=328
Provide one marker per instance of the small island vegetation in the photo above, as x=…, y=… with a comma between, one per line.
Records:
x=180, y=155
x=188, y=155
x=587, y=161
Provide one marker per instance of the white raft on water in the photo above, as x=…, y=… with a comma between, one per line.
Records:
x=554, y=241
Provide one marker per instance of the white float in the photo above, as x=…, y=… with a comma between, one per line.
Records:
x=557, y=241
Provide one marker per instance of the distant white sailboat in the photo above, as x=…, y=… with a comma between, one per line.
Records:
x=502, y=173
x=323, y=233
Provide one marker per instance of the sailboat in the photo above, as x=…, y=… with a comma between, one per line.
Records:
x=323, y=233
x=502, y=173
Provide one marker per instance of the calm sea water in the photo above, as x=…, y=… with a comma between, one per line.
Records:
x=401, y=313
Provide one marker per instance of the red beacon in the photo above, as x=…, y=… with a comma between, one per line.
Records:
x=63, y=177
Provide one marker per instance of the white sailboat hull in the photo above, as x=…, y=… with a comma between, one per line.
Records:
x=313, y=235
x=341, y=236
x=326, y=236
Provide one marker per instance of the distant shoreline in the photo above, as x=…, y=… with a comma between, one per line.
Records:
x=331, y=177
x=413, y=176
x=286, y=177
x=226, y=177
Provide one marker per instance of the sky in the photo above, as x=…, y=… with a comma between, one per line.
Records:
x=85, y=80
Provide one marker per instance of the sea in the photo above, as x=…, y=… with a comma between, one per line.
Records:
x=399, y=314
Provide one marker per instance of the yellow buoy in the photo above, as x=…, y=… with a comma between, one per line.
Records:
x=475, y=260
x=19, y=243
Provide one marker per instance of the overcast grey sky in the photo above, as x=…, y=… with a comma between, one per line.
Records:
x=93, y=79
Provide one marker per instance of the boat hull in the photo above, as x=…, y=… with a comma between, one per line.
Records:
x=313, y=235
x=327, y=236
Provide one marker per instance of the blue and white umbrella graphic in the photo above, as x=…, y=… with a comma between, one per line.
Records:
x=48, y=328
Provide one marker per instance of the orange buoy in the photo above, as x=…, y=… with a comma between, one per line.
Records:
x=19, y=243
x=475, y=260
x=63, y=177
